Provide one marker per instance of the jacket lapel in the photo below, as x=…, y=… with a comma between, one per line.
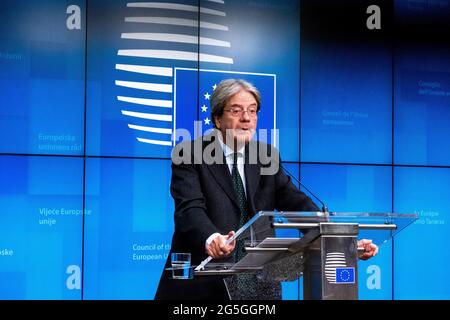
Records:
x=222, y=175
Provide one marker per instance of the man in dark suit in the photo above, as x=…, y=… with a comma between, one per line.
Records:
x=218, y=183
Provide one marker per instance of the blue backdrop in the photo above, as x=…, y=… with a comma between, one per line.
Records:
x=94, y=94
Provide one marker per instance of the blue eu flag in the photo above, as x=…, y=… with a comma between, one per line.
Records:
x=345, y=275
x=194, y=88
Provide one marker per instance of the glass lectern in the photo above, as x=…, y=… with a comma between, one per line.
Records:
x=326, y=254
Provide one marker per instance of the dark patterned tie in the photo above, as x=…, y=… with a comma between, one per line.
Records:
x=245, y=283
x=242, y=202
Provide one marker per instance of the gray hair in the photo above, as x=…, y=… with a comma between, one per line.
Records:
x=225, y=90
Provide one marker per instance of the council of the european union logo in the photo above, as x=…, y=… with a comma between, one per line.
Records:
x=336, y=270
x=157, y=91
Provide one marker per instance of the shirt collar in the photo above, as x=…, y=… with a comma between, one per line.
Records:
x=226, y=149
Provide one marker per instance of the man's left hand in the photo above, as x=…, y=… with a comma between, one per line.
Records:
x=370, y=249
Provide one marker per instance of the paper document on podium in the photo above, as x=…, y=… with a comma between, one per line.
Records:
x=267, y=251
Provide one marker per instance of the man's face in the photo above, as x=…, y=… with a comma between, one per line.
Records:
x=239, y=118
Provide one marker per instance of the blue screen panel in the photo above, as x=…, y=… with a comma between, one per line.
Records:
x=41, y=79
x=421, y=256
x=131, y=79
x=422, y=84
x=128, y=234
x=40, y=227
x=352, y=188
x=258, y=34
x=132, y=87
x=346, y=104
x=422, y=106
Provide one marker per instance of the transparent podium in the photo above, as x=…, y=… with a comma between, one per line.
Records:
x=324, y=253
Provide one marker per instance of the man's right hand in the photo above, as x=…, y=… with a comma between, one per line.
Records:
x=218, y=248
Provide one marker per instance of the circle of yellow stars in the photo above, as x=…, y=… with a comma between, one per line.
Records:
x=204, y=108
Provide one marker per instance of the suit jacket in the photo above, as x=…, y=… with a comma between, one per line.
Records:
x=205, y=203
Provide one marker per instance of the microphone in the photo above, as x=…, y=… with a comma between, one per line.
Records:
x=324, y=206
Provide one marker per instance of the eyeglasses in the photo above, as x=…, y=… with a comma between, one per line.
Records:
x=237, y=112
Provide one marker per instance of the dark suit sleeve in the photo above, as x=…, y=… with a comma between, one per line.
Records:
x=288, y=197
x=191, y=220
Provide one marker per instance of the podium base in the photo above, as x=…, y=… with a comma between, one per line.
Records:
x=252, y=286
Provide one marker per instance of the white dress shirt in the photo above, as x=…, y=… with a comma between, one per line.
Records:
x=228, y=152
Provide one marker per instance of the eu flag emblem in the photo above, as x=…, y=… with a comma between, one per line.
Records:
x=193, y=89
x=345, y=275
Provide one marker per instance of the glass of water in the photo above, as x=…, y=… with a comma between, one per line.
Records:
x=181, y=266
